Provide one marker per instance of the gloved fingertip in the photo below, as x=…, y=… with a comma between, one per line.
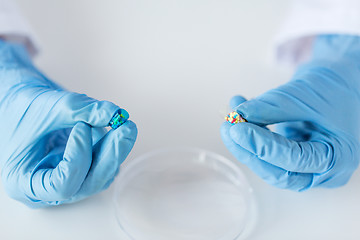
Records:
x=128, y=129
x=129, y=124
x=225, y=126
x=248, y=109
x=126, y=133
x=224, y=129
x=239, y=132
x=236, y=101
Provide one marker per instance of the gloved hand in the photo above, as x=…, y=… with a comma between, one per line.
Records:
x=319, y=115
x=49, y=148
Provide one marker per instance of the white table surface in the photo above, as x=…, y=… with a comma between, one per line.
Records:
x=171, y=57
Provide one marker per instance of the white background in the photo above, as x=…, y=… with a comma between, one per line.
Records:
x=173, y=64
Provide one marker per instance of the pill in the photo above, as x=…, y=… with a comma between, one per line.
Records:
x=234, y=118
x=119, y=118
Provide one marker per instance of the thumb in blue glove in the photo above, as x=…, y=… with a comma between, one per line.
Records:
x=319, y=115
x=48, y=156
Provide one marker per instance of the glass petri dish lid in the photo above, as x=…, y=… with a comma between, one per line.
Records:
x=183, y=194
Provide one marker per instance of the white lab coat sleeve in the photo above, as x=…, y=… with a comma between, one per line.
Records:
x=13, y=27
x=309, y=18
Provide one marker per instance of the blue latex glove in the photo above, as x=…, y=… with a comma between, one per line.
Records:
x=319, y=111
x=48, y=154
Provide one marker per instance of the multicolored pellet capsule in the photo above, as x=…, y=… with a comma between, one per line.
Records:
x=119, y=118
x=234, y=118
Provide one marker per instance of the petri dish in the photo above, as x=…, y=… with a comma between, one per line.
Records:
x=183, y=194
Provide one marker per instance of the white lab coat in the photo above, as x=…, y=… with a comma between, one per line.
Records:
x=14, y=27
x=306, y=19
